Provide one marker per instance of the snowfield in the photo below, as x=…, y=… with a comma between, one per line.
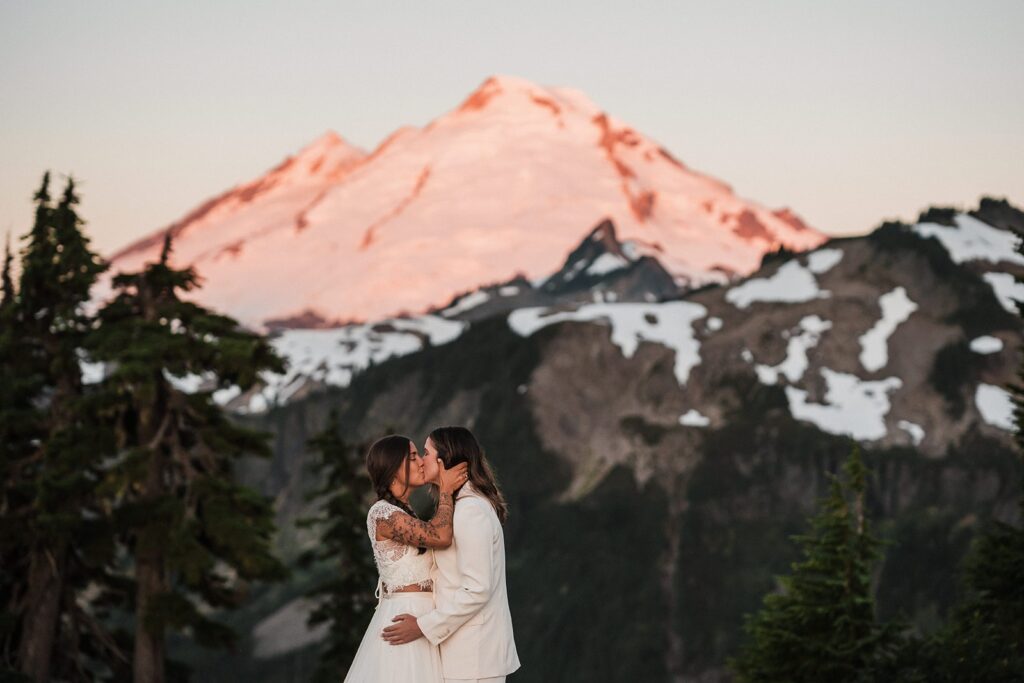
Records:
x=509, y=182
x=334, y=356
x=995, y=405
x=853, y=406
x=669, y=324
x=972, y=240
x=896, y=308
x=329, y=357
x=1006, y=289
x=793, y=282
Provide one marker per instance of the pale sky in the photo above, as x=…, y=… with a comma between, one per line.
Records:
x=850, y=113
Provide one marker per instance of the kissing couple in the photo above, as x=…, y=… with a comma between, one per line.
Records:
x=442, y=607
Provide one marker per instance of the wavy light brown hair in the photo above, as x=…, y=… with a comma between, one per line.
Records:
x=456, y=445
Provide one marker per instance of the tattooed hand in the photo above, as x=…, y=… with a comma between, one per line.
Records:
x=437, y=533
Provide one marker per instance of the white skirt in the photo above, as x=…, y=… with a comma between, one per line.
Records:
x=378, y=661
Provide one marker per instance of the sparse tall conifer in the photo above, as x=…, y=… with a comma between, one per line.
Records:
x=196, y=537
x=50, y=463
x=343, y=601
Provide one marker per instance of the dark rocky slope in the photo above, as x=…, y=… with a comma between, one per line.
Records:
x=638, y=541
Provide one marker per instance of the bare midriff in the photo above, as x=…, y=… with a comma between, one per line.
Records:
x=412, y=588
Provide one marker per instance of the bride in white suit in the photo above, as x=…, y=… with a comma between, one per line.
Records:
x=403, y=548
x=470, y=620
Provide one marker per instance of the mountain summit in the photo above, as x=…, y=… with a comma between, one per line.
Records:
x=506, y=184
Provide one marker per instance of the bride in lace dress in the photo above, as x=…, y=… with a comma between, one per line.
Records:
x=403, y=550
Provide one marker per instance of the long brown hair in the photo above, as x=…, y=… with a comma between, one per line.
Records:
x=385, y=457
x=457, y=444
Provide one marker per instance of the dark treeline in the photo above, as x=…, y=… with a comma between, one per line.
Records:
x=822, y=625
x=121, y=519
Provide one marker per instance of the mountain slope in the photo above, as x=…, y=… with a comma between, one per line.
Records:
x=657, y=456
x=505, y=184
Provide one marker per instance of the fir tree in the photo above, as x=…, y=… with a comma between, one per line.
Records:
x=6, y=281
x=984, y=638
x=343, y=601
x=16, y=434
x=196, y=537
x=51, y=447
x=822, y=626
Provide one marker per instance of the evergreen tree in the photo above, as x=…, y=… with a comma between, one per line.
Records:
x=51, y=449
x=16, y=415
x=984, y=638
x=196, y=537
x=6, y=281
x=822, y=627
x=343, y=600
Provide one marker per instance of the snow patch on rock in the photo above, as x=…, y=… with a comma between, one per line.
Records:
x=995, y=405
x=853, y=406
x=795, y=363
x=791, y=283
x=606, y=263
x=822, y=260
x=669, y=324
x=1006, y=288
x=693, y=418
x=973, y=240
x=334, y=356
x=896, y=308
x=986, y=344
x=466, y=303
x=915, y=430
x=325, y=356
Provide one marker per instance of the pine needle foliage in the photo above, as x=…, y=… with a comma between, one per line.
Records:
x=196, y=538
x=822, y=626
x=344, y=601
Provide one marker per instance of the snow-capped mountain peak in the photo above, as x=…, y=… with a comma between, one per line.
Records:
x=506, y=183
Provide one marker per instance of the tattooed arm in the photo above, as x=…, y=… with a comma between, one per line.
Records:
x=437, y=533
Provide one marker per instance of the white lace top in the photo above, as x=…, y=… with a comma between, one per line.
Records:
x=397, y=564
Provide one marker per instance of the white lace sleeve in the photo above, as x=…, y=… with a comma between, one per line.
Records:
x=378, y=511
x=385, y=550
x=398, y=564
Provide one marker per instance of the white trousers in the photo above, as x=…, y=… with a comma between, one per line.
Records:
x=499, y=679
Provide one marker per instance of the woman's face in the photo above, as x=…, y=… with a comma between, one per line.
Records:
x=429, y=459
x=416, y=477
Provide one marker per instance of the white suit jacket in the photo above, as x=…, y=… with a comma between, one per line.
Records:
x=471, y=620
